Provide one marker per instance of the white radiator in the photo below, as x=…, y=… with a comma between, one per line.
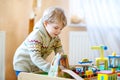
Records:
x=2, y=55
x=79, y=47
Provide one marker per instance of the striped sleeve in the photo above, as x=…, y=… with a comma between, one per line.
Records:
x=34, y=43
x=58, y=46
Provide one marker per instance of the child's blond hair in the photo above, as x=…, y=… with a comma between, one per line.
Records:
x=55, y=15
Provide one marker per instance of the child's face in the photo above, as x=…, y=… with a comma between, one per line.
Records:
x=53, y=29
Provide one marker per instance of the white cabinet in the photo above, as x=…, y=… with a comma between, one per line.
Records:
x=2, y=55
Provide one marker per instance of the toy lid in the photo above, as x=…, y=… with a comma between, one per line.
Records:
x=105, y=72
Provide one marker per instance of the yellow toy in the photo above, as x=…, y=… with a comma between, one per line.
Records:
x=107, y=75
x=113, y=63
x=89, y=73
x=101, y=58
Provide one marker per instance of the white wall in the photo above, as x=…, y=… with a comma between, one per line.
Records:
x=2, y=55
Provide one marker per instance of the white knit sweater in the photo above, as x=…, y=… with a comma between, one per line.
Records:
x=31, y=54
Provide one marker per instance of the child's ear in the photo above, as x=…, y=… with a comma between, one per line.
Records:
x=45, y=23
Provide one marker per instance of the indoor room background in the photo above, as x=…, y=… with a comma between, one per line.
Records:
x=90, y=23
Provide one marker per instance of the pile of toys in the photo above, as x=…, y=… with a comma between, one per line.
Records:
x=108, y=70
x=86, y=70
